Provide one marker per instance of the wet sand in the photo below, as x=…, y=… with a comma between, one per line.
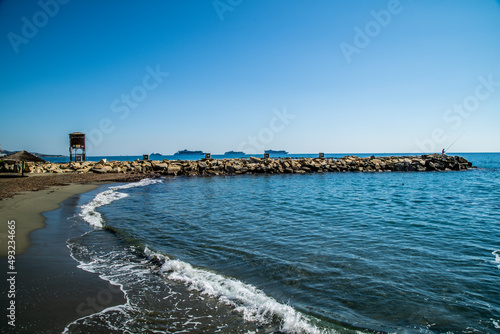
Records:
x=26, y=210
x=50, y=290
x=12, y=184
x=23, y=199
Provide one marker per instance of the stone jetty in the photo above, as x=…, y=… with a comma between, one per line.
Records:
x=253, y=165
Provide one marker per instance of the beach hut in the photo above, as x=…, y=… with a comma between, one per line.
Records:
x=22, y=157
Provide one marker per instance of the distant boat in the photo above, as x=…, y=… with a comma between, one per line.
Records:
x=186, y=152
x=234, y=153
x=275, y=152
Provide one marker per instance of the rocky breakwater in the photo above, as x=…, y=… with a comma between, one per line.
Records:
x=252, y=165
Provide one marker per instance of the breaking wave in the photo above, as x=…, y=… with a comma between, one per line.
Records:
x=253, y=304
x=89, y=211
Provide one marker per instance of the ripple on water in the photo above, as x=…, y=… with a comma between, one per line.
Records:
x=396, y=252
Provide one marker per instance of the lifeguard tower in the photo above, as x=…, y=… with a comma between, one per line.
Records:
x=77, y=146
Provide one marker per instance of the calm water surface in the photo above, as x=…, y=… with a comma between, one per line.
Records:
x=335, y=252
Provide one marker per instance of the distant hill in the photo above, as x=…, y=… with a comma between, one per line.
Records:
x=41, y=155
x=5, y=152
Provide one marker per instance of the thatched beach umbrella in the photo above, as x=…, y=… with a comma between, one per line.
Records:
x=23, y=157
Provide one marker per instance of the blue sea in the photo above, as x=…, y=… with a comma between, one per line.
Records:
x=400, y=252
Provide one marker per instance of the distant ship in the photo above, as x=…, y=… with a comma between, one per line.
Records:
x=275, y=152
x=186, y=152
x=234, y=153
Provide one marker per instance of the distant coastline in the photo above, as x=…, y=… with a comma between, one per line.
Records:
x=41, y=155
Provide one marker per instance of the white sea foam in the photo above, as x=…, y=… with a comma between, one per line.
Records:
x=497, y=257
x=252, y=303
x=118, y=308
x=88, y=211
x=141, y=183
x=154, y=255
x=114, y=277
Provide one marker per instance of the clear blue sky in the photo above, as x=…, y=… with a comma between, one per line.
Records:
x=304, y=76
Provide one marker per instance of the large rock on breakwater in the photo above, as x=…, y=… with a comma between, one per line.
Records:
x=252, y=165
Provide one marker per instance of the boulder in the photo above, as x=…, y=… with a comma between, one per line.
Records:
x=160, y=166
x=430, y=162
x=174, y=169
x=98, y=170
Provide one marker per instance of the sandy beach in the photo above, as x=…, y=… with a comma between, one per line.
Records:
x=24, y=199
x=46, y=297
x=26, y=210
